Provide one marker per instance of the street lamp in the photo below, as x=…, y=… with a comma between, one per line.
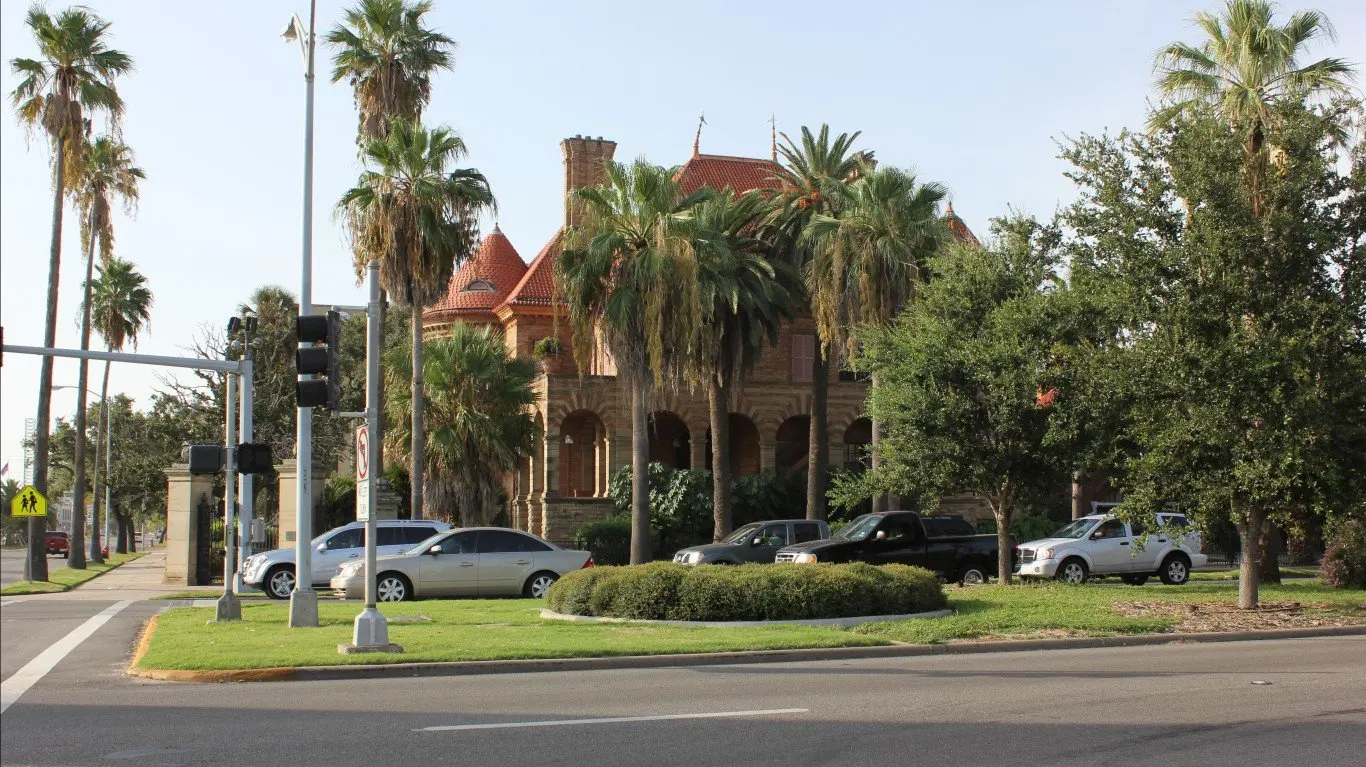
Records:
x=303, y=602
x=108, y=462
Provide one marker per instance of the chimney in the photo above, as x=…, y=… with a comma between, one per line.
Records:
x=584, y=157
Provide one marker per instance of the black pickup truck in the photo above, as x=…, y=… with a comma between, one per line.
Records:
x=898, y=537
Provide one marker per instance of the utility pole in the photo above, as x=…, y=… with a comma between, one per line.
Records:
x=228, y=607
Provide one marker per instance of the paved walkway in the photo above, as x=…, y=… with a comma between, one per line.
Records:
x=140, y=579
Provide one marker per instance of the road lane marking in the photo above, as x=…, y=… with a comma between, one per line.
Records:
x=10, y=602
x=36, y=669
x=611, y=720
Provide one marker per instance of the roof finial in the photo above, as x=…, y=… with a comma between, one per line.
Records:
x=773, y=137
x=697, y=140
x=948, y=211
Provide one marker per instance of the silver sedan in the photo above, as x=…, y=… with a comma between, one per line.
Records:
x=467, y=562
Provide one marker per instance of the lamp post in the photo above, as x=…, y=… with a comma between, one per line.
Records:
x=95, y=546
x=303, y=602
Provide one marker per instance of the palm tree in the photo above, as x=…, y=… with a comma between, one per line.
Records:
x=745, y=297
x=1246, y=65
x=418, y=217
x=628, y=281
x=868, y=260
x=121, y=305
x=479, y=414
x=73, y=75
x=812, y=181
x=107, y=171
x=389, y=59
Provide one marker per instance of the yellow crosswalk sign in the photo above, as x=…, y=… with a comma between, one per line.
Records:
x=28, y=503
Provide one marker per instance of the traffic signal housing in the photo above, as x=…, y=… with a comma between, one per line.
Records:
x=254, y=458
x=203, y=459
x=323, y=360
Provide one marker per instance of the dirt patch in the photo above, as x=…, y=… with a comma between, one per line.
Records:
x=1268, y=615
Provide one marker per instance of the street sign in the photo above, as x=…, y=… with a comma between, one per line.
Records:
x=363, y=500
x=28, y=503
x=362, y=454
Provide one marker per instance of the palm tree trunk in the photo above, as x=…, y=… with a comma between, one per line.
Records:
x=640, y=477
x=419, y=437
x=818, y=453
x=378, y=436
x=77, y=558
x=721, y=511
x=881, y=501
x=37, y=526
x=101, y=429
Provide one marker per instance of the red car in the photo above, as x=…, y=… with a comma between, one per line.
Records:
x=59, y=542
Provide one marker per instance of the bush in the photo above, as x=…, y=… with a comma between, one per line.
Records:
x=609, y=540
x=1344, y=564
x=665, y=591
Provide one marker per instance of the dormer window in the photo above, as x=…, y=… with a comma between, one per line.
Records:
x=480, y=286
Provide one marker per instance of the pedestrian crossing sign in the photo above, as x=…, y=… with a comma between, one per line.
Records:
x=28, y=503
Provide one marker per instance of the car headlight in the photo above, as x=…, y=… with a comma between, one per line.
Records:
x=805, y=558
x=693, y=557
x=351, y=568
x=1045, y=554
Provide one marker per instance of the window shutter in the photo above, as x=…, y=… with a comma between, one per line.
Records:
x=803, y=355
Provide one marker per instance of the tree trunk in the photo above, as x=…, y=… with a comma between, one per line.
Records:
x=76, y=560
x=818, y=452
x=718, y=398
x=36, y=564
x=101, y=438
x=1270, y=571
x=419, y=438
x=1005, y=560
x=881, y=501
x=1249, y=572
x=378, y=469
x=124, y=523
x=640, y=478
x=132, y=535
x=1076, y=495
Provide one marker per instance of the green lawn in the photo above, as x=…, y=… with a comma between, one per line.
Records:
x=185, y=638
x=66, y=578
x=1232, y=575
x=206, y=594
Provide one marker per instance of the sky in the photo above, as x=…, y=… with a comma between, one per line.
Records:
x=974, y=95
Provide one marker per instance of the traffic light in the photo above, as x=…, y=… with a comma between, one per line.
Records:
x=322, y=360
x=254, y=458
x=203, y=459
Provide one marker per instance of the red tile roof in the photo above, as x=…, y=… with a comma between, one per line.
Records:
x=537, y=286
x=496, y=264
x=742, y=174
x=958, y=228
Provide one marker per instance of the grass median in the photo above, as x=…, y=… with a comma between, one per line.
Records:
x=66, y=578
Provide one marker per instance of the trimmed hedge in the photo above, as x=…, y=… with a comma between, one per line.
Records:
x=667, y=591
x=609, y=540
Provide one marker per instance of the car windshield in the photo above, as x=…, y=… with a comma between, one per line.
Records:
x=859, y=528
x=1077, y=528
x=743, y=534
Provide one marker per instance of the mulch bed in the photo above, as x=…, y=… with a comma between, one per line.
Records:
x=1267, y=615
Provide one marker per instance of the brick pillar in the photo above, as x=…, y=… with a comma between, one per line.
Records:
x=768, y=455
x=697, y=447
x=183, y=493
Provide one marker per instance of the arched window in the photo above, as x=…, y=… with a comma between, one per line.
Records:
x=480, y=286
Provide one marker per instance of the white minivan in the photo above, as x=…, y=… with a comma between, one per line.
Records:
x=273, y=571
x=1106, y=545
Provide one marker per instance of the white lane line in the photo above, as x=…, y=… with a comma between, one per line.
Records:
x=612, y=720
x=7, y=603
x=36, y=669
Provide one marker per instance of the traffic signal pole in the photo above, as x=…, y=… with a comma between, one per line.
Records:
x=247, y=505
x=228, y=608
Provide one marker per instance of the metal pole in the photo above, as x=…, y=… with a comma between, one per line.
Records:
x=303, y=602
x=228, y=608
x=195, y=363
x=371, y=630
x=247, y=507
x=108, y=470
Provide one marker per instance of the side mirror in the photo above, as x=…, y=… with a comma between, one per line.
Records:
x=881, y=535
x=434, y=550
x=322, y=547
x=757, y=542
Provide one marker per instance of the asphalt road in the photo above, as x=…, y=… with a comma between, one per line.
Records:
x=1173, y=705
x=12, y=566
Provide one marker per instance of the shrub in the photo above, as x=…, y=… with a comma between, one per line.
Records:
x=1344, y=564
x=747, y=592
x=608, y=539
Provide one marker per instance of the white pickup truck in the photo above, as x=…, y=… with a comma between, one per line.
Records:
x=1106, y=545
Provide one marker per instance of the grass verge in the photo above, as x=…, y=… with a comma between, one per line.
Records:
x=206, y=593
x=1232, y=575
x=66, y=578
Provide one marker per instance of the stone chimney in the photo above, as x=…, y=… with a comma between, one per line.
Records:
x=584, y=157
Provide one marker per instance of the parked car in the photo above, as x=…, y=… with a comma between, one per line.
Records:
x=58, y=542
x=755, y=542
x=1106, y=545
x=478, y=561
x=899, y=537
x=273, y=571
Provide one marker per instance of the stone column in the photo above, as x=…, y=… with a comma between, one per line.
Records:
x=551, y=468
x=768, y=455
x=183, y=493
x=536, y=492
x=289, y=473
x=697, y=446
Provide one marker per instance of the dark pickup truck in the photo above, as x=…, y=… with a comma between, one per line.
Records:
x=898, y=537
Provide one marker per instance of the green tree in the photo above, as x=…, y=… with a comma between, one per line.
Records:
x=960, y=371
x=813, y=178
x=107, y=172
x=121, y=304
x=628, y=282
x=479, y=418
x=745, y=298
x=73, y=75
x=418, y=217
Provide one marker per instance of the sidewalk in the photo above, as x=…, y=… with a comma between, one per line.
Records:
x=140, y=579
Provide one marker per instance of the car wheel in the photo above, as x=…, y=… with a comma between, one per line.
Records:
x=1072, y=571
x=1175, y=571
x=539, y=585
x=972, y=575
x=279, y=582
x=392, y=587
x=1134, y=580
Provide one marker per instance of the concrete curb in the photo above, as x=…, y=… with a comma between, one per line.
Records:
x=479, y=667
x=825, y=622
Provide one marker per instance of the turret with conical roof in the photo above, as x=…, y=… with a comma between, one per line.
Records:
x=480, y=285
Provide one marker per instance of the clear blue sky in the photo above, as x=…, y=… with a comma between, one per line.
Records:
x=971, y=94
